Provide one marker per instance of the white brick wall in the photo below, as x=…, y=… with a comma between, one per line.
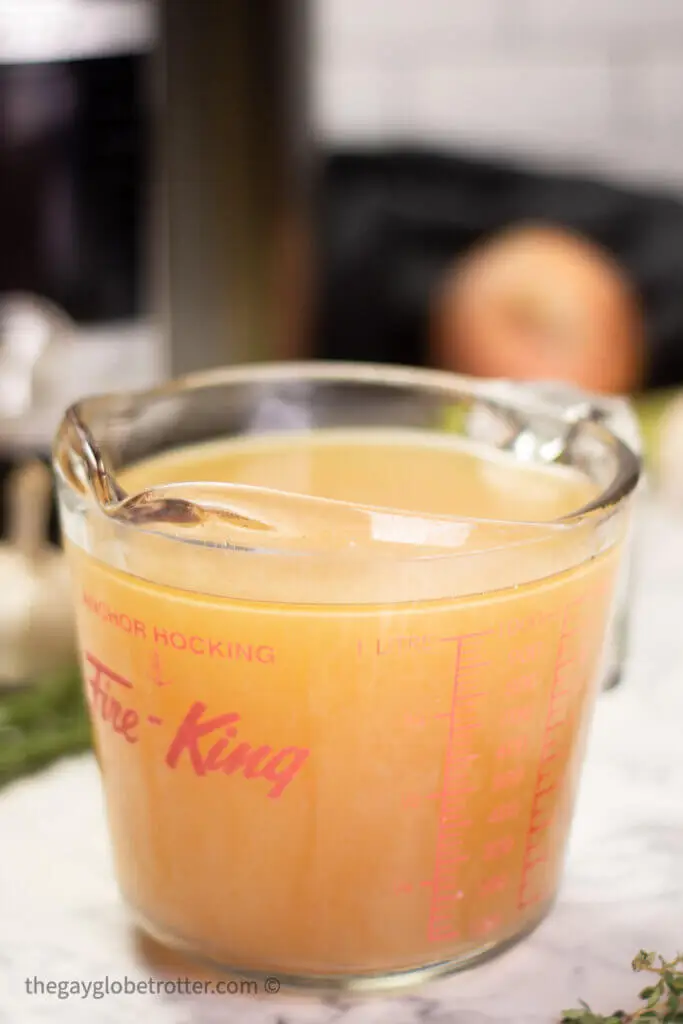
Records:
x=510, y=102
x=603, y=22
x=596, y=84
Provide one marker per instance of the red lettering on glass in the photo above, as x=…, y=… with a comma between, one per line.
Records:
x=279, y=769
x=123, y=720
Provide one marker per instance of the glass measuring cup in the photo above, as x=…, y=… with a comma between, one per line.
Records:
x=340, y=738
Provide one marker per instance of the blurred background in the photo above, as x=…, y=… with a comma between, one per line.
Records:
x=185, y=185
x=490, y=187
x=589, y=84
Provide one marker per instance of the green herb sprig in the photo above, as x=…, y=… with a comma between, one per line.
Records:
x=41, y=724
x=662, y=1001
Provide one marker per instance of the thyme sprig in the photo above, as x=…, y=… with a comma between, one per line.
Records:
x=662, y=1001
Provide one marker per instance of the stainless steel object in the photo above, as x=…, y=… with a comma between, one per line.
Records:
x=234, y=157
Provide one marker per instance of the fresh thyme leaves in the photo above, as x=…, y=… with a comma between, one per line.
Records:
x=662, y=1001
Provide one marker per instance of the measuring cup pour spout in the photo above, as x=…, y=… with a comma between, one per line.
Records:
x=80, y=458
x=293, y=628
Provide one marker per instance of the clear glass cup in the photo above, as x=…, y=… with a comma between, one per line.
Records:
x=340, y=724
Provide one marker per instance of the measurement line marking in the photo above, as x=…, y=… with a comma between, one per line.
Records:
x=452, y=896
x=465, y=636
x=442, y=919
x=447, y=936
x=154, y=720
x=411, y=802
x=446, y=861
x=157, y=675
x=434, y=932
x=540, y=790
x=468, y=757
x=459, y=786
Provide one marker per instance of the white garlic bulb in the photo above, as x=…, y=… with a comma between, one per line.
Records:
x=36, y=606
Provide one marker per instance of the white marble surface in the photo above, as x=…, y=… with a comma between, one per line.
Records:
x=60, y=917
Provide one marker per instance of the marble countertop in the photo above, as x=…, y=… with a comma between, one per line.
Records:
x=60, y=916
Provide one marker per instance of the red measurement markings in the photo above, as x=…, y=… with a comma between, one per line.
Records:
x=154, y=720
x=421, y=720
x=494, y=885
x=522, y=684
x=501, y=847
x=511, y=748
x=518, y=715
x=405, y=888
x=504, y=812
x=411, y=801
x=527, y=654
x=401, y=645
x=509, y=779
x=541, y=818
x=457, y=783
x=538, y=619
x=465, y=636
x=156, y=672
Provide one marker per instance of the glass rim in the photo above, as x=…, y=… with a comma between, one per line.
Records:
x=104, y=493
